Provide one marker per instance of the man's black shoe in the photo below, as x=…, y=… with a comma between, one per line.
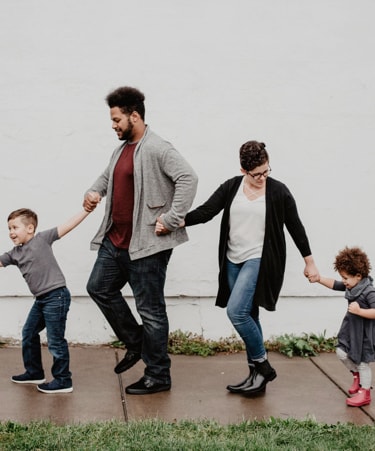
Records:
x=130, y=359
x=145, y=387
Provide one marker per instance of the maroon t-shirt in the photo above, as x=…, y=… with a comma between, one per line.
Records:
x=123, y=199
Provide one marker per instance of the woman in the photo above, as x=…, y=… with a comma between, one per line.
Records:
x=252, y=252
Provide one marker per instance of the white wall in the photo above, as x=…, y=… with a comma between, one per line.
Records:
x=295, y=74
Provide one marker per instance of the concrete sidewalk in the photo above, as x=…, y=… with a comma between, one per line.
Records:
x=305, y=388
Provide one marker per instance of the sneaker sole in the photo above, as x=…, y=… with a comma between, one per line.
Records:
x=122, y=368
x=58, y=390
x=33, y=381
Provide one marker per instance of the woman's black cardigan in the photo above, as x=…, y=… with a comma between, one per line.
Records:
x=280, y=209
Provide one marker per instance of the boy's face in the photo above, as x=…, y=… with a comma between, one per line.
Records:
x=19, y=232
x=348, y=280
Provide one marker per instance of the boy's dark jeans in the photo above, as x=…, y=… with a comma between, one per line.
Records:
x=48, y=311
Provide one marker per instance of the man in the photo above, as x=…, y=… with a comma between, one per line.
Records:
x=146, y=179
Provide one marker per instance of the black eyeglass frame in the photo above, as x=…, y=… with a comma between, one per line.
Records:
x=258, y=175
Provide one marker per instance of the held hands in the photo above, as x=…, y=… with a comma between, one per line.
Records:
x=160, y=228
x=91, y=200
x=311, y=272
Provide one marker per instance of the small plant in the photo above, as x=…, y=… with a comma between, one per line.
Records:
x=192, y=344
x=187, y=343
x=303, y=346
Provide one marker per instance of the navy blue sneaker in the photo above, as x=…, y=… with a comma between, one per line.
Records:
x=54, y=387
x=27, y=379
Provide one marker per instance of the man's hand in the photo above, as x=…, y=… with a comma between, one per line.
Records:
x=91, y=200
x=160, y=228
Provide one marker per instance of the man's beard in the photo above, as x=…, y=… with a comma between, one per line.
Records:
x=127, y=134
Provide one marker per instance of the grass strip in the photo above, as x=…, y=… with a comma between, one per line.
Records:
x=273, y=434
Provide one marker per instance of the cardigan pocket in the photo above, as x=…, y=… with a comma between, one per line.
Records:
x=154, y=210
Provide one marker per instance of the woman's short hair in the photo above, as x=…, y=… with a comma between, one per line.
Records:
x=252, y=155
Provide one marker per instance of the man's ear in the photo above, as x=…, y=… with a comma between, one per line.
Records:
x=134, y=117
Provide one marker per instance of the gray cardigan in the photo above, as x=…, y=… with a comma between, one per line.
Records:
x=164, y=183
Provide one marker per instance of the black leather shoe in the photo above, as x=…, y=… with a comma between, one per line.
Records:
x=145, y=387
x=130, y=359
x=263, y=374
x=245, y=383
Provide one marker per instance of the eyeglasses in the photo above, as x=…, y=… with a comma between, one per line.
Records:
x=259, y=175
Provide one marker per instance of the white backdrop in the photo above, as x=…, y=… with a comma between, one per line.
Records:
x=296, y=74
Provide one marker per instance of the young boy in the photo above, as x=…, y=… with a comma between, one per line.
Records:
x=34, y=257
x=356, y=338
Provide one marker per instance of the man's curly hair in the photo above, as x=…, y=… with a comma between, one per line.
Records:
x=353, y=261
x=252, y=155
x=128, y=99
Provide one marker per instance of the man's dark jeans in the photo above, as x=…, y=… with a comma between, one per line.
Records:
x=146, y=277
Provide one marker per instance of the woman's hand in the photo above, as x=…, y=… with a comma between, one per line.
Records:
x=311, y=271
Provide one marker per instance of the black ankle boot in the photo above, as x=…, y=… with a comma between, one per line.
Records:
x=243, y=384
x=263, y=374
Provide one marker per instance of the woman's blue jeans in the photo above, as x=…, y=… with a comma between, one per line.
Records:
x=48, y=311
x=146, y=276
x=242, y=279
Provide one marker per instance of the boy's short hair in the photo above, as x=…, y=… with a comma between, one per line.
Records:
x=27, y=216
x=353, y=261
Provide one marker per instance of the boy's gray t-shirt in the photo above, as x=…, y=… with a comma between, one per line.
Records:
x=37, y=263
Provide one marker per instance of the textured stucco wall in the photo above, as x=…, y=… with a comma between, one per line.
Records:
x=295, y=74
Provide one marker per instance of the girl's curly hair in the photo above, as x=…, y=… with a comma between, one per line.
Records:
x=353, y=261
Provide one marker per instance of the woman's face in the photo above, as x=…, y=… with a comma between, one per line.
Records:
x=256, y=178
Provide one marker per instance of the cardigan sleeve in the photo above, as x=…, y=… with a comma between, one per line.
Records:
x=294, y=225
x=209, y=209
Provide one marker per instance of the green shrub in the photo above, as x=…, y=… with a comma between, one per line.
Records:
x=303, y=346
x=187, y=343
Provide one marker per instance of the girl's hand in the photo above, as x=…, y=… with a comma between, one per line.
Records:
x=354, y=308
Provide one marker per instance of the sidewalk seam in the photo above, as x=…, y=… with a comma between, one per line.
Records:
x=122, y=393
x=338, y=386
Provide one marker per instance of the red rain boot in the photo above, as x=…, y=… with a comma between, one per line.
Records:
x=362, y=398
x=356, y=384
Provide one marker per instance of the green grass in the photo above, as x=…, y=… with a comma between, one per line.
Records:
x=146, y=435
